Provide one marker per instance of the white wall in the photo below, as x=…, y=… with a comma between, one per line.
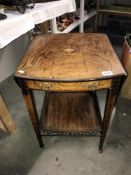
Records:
x=11, y=55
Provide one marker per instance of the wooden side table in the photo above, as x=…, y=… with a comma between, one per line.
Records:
x=67, y=66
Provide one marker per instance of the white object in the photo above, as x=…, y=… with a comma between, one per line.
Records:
x=1, y=10
x=14, y=26
x=21, y=71
x=17, y=24
x=107, y=73
x=50, y=10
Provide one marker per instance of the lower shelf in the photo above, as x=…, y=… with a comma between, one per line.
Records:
x=70, y=114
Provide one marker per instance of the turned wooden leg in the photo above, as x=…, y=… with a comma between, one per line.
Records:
x=31, y=106
x=110, y=103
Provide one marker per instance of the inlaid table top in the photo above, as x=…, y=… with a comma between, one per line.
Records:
x=70, y=57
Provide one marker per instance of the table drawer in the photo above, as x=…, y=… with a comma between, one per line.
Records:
x=69, y=86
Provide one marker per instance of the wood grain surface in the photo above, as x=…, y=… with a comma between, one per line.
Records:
x=69, y=112
x=70, y=57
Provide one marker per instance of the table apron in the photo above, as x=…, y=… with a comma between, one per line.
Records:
x=68, y=86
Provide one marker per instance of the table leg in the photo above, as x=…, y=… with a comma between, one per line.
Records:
x=97, y=22
x=6, y=121
x=97, y=15
x=110, y=103
x=31, y=106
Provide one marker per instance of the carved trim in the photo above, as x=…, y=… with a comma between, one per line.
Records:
x=69, y=86
x=69, y=133
x=96, y=84
x=43, y=85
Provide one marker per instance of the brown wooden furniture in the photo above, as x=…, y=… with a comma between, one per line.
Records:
x=67, y=66
x=101, y=9
x=6, y=122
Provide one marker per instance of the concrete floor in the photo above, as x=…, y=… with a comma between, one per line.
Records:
x=21, y=155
